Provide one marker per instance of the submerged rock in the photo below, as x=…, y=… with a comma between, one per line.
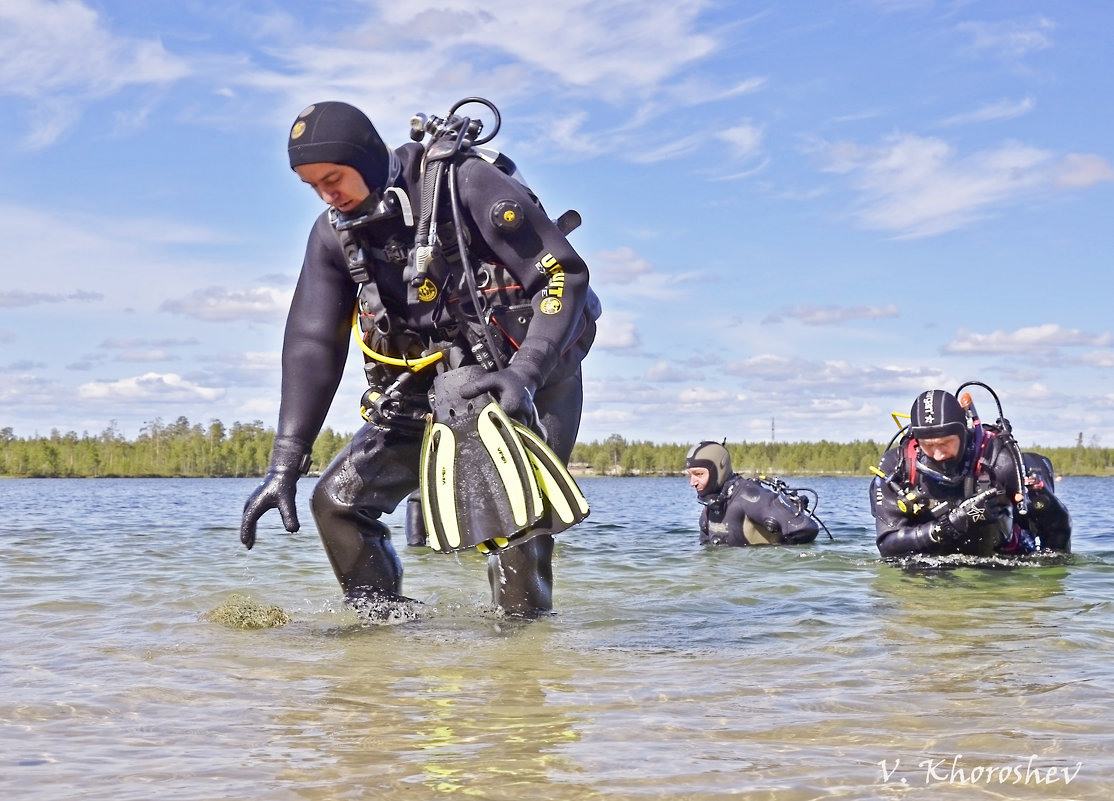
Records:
x=241, y=612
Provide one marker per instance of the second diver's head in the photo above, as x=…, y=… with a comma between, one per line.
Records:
x=708, y=466
x=337, y=151
x=938, y=423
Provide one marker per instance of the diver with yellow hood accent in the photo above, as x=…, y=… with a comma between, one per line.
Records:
x=747, y=511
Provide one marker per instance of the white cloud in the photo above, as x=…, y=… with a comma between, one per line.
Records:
x=1027, y=339
x=671, y=372
x=222, y=304
x=616, y=47
x=918, y=186
x=699, y=395
x=833, y=315
x=14, y=298
x=1008, y=39
x=744, y=139
x=147, y=356
x=1099, y=358
x=669, y=149
x=1078, y=170
x=638, y=277
x=616, y=331
x=152, y=387
x=141, y=342
x=61, y=56
x=993, y=112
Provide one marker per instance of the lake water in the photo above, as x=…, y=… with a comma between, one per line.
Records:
x=669, y=671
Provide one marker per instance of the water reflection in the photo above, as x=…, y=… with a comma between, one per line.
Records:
x=451, y=704
x=669, y=670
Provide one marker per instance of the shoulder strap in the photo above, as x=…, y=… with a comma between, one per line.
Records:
x=911, y=459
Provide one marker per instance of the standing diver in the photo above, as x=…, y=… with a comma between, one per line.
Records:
x=453, y=269
x=955, y=485
x=745, y=511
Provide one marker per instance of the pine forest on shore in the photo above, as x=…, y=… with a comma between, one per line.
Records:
x=182, y=449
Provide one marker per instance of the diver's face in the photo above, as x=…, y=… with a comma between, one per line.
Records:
x=337, y=184
x=698, y=478
x=940, y=449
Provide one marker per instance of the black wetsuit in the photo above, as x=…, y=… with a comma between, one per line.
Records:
x=922, y=527
x=380, y=466
x=781, y=520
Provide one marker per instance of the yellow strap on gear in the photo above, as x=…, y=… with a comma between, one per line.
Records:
x=411, y=364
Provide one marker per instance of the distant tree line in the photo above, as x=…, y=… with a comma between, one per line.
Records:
x=182, y=449
x=617, y=456
x=177, y=449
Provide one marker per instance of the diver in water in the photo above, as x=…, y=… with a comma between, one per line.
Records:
x=955, y=485
x=745, y=511
x=453, y=269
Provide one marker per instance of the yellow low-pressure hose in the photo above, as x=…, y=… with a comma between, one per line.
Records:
x=411, y=364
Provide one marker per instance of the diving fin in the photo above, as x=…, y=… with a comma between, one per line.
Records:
x=564, y=505
x=488, y=481
x=478, y=484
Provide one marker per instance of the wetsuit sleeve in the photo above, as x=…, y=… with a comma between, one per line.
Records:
x=316, y=339
x=552, y=273
x=897, y=534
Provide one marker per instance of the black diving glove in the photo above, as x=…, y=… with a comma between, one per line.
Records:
x=979, y=508
x=290, y=459
x=513, y=386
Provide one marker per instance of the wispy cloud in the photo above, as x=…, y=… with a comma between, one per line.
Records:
x=638, y=277
x=744, y=140
x=917, y=186
x=140, y=343
x=992, y=112
x=1031, y=338
x=616, y=331
x=156, y=387
x=672, y=372
x=832, y=315
x=620, y=46
x=61, y=56
x=1008, y=39
x=218, y=304
x=14, y=298
x=1079, y=170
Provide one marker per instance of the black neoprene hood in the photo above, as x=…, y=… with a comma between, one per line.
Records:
x=936, y=414
x=337, y=133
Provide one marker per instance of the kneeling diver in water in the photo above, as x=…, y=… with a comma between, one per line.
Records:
x=746, y=511
x=955, y=485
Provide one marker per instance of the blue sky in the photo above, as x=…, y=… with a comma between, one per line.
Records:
x=798, y=215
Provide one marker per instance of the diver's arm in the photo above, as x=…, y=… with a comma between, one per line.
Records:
x=897, y=537
x=312, y=364
x=704, y=536
x=316, y=339
x=896, y=533
x=536, y=252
